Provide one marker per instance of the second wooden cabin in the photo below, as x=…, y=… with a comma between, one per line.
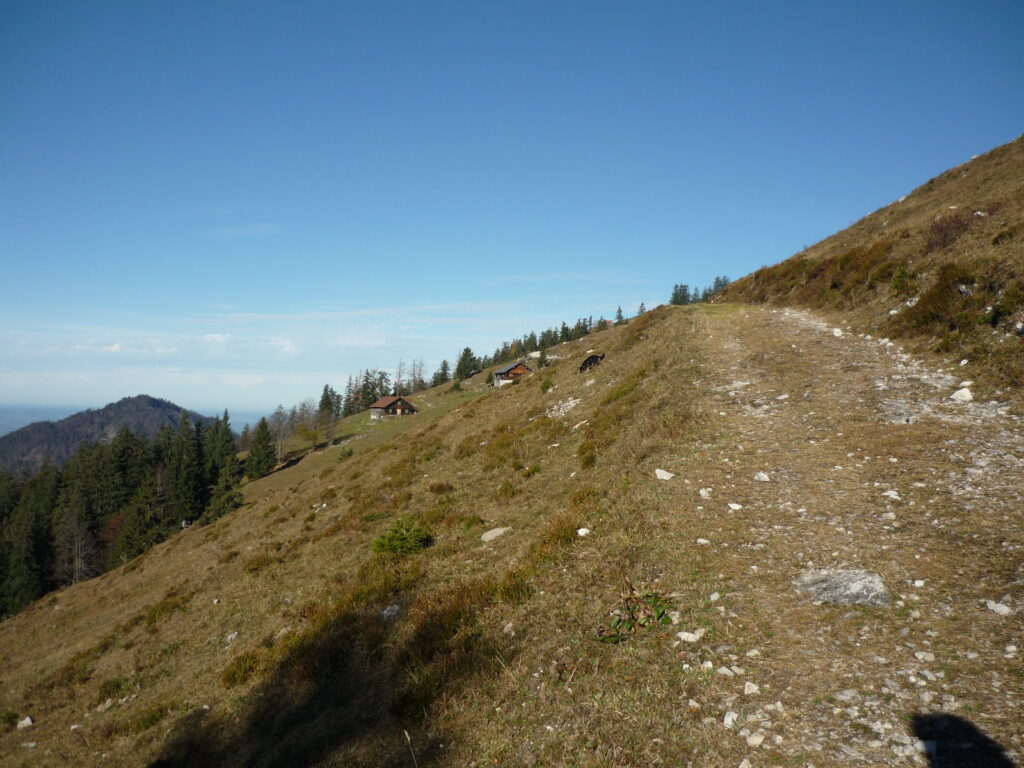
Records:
x=509, y=373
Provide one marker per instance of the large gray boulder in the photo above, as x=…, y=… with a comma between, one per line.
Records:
x=845, y=587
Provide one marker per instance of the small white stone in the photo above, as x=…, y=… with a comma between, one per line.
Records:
x=892, y=495
x=582, y=531
x=924, y=656
x=691, y=637
x=76, y=726
x=755, y=739
x=725, y=672
x=965, y=384
x=782, y=397
x=730, y=719
x=762, y=477
x=918, y=582
x=837, y=332
x=744, y=763
x=1002, y=610
x=749, y=688
x=714, y=597
x=963, y=362
x=231, y=637
x=661, y=474
x=703, y=542
x=705, y=493
x=962, y=396
x=27, y=722
x=735, y=507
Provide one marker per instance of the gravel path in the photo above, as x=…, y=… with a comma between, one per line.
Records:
x=871, y=465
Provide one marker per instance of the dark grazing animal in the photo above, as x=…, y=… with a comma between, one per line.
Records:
x=590, y=362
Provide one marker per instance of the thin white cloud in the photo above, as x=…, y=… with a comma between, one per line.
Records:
x=215, y=338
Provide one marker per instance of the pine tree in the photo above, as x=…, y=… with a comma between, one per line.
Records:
x=244, y=438
x=27, y=543
x=466, y=364
x=542, y=361
x=261, y=453
x=147, y=520
x=187, y=485
x=329, y=411
x=442, y=375
x=225, y=497
x=642, y=309
x=619, y=318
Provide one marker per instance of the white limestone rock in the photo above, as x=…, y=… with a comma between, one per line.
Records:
x=494, y=533
x=962, y=395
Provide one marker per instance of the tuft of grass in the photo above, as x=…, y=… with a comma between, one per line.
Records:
x=115, y=688
x=8, y=720
x=259, y=563
x=173, y=602
x=505, y=491
x=139, y=723
x=242, y=668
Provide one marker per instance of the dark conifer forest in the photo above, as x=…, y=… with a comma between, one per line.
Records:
x=110, y=502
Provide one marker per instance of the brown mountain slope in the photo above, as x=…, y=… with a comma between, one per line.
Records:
x=277, y=636
x=944, y=266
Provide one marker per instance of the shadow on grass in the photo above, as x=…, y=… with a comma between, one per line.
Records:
x=348, y=692
x=954, y=742
x=330, y=692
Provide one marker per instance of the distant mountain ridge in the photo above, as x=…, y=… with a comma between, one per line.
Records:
x=29, y=447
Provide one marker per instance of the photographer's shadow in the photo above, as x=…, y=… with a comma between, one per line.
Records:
x=954, y=742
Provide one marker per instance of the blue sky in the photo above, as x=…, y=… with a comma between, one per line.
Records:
x=231, y=204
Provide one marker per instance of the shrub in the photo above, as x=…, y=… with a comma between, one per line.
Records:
x=946, y=230
x=8, y=720
x=404, y=537
x=903, y=282
x=546, y=384
x=441, y=487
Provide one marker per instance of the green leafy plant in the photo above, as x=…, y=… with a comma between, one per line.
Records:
x=640, y=609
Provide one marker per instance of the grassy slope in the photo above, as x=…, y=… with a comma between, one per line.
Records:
x=314, y=670
x=964, y=271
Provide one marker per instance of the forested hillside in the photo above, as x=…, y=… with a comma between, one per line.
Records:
x=55, y=441
x=110, y=502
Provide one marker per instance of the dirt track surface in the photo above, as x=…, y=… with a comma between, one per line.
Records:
x=837, y=422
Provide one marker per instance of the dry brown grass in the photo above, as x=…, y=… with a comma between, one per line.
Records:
x=952, y=245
